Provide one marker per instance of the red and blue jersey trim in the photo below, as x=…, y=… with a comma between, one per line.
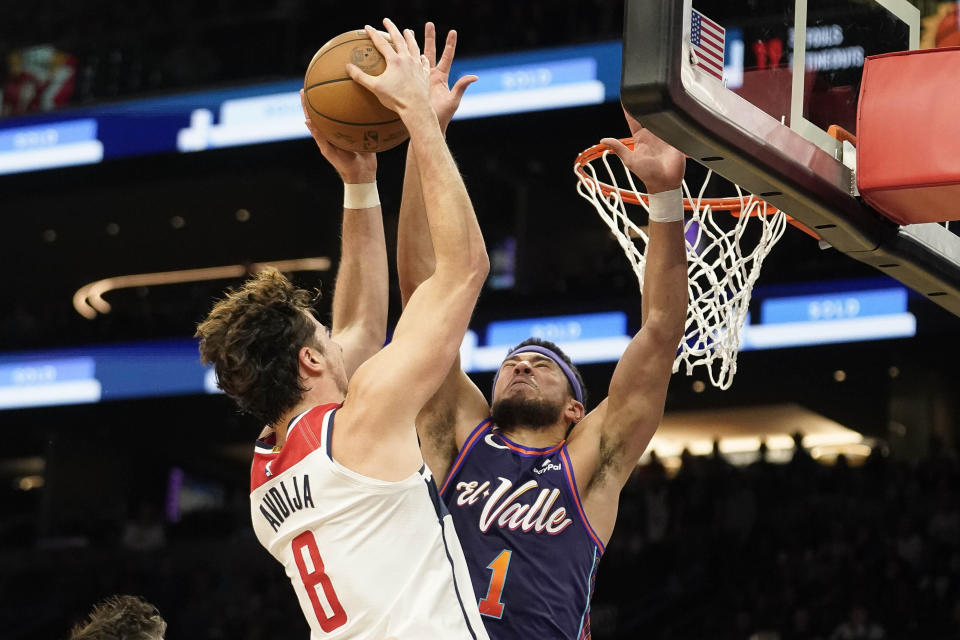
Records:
x=584, y=632
x=303, y=438
x=572, y=482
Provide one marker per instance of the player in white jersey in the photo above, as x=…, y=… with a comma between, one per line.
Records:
x=339, y=491
x=322, y=520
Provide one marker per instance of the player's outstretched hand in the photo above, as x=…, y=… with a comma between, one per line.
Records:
x=444, y=99
x=353, y=167
x=658, y=165
x=404, y=84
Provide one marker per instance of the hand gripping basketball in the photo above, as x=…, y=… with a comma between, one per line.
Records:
x=658, y=165
x=352, y=166
x=404, y=85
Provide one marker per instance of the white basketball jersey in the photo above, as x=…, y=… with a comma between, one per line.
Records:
x=368, y=559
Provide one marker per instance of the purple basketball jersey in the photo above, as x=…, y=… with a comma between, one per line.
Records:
x=531, y=552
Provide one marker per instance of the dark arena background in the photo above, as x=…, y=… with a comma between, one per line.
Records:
x=123, y=471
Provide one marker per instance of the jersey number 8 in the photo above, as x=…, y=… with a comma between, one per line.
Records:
x=312, y=574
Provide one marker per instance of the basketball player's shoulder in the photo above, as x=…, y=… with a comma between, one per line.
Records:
x=305, y=435
x=310, y=424
x=587, y=433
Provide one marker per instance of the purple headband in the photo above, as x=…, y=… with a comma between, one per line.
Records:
x=553, y=355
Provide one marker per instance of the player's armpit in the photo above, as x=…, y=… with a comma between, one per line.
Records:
x=607, y=444
x=448, y=418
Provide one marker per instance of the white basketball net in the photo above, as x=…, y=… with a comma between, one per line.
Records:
x=721, y=273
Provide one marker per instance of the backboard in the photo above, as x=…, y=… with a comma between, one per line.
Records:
x=749, y=89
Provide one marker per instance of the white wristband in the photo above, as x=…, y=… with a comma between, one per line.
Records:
x=666, y=206
x=360, y=196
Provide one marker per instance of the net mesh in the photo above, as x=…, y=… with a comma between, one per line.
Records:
x=724, y=259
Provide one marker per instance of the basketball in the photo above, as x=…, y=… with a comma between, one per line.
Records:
x=345, y=113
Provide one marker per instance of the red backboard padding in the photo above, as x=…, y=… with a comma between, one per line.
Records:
x=908, y=131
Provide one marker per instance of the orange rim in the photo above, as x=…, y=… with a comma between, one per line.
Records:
x=732, y=204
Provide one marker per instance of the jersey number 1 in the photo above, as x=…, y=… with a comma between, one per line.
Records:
x=491, y=605
x=313, y=577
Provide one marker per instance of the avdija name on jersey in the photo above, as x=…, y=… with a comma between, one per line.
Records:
x=281, y=501
x=503, y=508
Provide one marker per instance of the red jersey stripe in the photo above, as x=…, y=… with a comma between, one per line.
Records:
x=303, y=438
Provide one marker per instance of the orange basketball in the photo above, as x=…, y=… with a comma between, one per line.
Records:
x=345, y=113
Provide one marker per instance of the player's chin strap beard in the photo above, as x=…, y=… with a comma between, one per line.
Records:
x=519, y=412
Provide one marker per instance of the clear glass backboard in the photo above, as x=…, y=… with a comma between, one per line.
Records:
x=749, y=88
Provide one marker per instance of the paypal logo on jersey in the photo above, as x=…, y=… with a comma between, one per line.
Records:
x=547, y=466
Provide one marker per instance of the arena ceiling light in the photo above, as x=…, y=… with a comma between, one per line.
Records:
x=740, y=430
x=88, y=300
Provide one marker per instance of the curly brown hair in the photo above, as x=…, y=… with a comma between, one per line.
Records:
x=121, y=618
x=253, y=336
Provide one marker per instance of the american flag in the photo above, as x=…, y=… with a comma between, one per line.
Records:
x=708, y=40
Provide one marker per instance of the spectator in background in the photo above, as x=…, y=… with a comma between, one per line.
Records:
x=954, y=622
x=121, y=617
x=940, y=28
x=802, y=467
x=858, y=626
x=801, y=628
x=656, y=497
x=39, y=78
x=739, y=507
x=717, y=464
x=146, y=532
x=800, y=454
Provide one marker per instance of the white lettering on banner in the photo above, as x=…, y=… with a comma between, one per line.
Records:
x=824, y=52
x=557, y=331
x=526, y=78
x=43, y=138
x=833, y=309
x=34, y=375
x=829, y=35
x=835, y=59
x=511, y=514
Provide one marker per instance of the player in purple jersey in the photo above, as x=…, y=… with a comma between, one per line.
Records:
x=533, y=481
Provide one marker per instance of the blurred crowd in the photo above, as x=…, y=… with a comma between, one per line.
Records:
x=796, y=551
x=799, y=551
x=59, y=53
x=62, y=53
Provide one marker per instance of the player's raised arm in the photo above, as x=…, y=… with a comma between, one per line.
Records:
x=388, y=391
x=415, y=260
x=458, y=402
x=360, y=298
x=612, y=438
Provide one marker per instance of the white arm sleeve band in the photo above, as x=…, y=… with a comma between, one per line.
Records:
x=360, y=196
x=666, y=206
